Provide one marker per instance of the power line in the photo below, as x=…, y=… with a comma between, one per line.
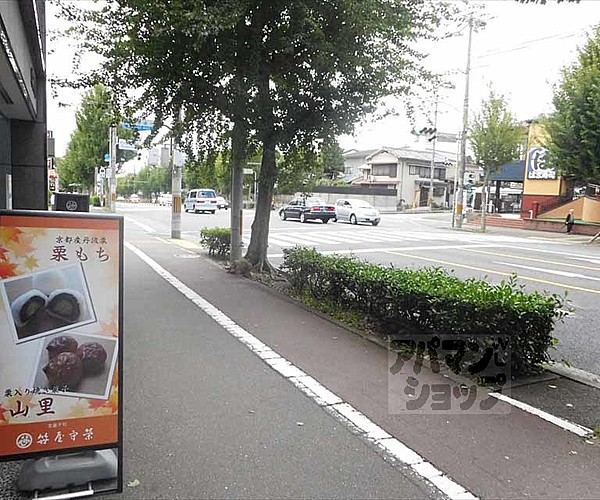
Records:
x=526, y=44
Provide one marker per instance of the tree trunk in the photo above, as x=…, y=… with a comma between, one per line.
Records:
x=238, y=155
x=484, y=202
x=259, y=240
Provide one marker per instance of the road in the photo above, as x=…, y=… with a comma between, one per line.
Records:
x=556, y=263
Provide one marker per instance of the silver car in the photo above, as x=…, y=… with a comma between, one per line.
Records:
x=355, y=211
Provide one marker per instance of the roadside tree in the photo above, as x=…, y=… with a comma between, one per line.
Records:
x=574, y=127
x=89, y=141
x=283, y=74
x=495, y=138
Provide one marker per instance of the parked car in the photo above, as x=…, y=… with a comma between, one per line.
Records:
x=165, y=200
x=201, y=200
x=222, y=203
x=355, y=211
x=134, y=198
x=306, y=209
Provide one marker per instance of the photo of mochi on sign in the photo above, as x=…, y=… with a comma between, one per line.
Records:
x=48, y=301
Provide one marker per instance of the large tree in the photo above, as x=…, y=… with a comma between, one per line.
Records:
x=574, y=127
x=283, y=74
x=495, y=138
x=89, y=141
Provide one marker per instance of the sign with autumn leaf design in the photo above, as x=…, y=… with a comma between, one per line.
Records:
x=60, y=332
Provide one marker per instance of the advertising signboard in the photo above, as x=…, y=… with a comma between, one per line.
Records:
x=537, y=167
x=60, y=333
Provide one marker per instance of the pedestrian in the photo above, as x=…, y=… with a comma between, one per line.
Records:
x=569, y=221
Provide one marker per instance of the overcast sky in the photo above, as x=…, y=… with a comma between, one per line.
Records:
x=519, y=54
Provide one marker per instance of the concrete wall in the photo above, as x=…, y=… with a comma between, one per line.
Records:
x=559, y=227
x=591, y=210
x=562, y=211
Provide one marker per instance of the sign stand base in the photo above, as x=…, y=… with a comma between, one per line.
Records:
x=63, y=471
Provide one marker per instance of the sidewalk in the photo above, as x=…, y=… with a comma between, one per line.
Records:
x=513, y=455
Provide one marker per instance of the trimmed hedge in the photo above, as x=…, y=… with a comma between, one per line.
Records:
x=431, y=301
x=217, y=240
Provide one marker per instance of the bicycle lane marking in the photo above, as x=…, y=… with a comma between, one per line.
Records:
x=356, y=421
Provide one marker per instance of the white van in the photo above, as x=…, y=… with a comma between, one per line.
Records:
x=200, y=200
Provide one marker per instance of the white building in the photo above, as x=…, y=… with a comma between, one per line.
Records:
x=405, y=170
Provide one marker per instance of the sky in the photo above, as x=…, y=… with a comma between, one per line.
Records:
x=519, y=54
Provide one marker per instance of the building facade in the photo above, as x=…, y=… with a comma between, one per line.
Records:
x=409, y=173
x=23, y=154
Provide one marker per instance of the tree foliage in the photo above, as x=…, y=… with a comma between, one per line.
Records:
x=574, y=127
x=149, y=182
x=495, y=135
x=332, y=159
x=496, y=138
x=89, y=141
x=283, y=74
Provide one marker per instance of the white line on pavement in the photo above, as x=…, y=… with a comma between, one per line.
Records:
x=341, y=410
x=550, y=271
x=145, y=227
x=397, y=249
x=560, y=422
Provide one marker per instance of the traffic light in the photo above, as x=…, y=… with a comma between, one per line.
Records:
x=429, y=132
x=469, y=179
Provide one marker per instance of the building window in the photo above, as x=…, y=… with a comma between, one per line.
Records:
x=388, y=169
x=422, y=172
x=425, y=172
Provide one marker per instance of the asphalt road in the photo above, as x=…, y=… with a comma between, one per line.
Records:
x=556, y=263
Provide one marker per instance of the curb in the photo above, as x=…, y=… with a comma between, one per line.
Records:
x=581, y=376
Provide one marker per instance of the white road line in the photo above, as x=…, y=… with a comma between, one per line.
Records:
x=397, y=249
x=593, y=261
x=303, y=237
x=565, y=254
x=550, y=271
x=577, y=429
x=341, y=410
x=145, y=227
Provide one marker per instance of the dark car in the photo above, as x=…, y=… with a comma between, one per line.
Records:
x=306, y=209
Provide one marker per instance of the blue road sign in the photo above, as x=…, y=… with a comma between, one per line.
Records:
x=107, y=157
x=139, y=126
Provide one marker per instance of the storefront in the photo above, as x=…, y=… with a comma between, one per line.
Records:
x=23, y=170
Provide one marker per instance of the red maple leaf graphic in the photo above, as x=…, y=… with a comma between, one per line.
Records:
x=8, y=233
x=7, y=270
x=3, y=419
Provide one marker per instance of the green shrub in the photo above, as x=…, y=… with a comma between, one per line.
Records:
x=431, y=301
x=217, y=240
x=95, y=200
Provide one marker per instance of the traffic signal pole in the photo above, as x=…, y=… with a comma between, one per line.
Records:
x=177, y=171
x=433, y=140
x=112, y=183
x=463, y=135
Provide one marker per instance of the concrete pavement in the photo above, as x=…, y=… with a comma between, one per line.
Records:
x=514, y=455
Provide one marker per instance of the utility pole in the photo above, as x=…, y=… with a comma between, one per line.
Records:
x=238, y=143
x=433, y=139
x=176, y=174
x=112, y=190
x=463, y=135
